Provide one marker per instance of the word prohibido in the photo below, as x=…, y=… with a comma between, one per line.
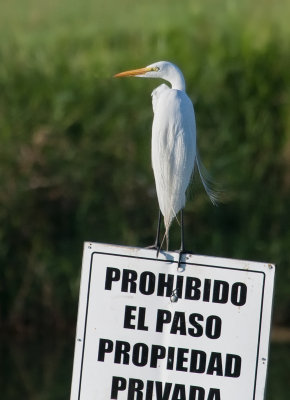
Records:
x=186, y=287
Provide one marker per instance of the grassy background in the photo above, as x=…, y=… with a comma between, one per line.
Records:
x=41, y=370
x=75, y=143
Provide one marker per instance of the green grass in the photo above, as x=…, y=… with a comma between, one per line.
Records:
x=75, y=152
x=41, y=23
x=41, y=369
x=75, y=144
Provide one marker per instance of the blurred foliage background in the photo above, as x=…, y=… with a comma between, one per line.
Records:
x=75, y=143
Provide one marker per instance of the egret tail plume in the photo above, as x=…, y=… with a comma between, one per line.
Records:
x=165, y=237
x=212, y=191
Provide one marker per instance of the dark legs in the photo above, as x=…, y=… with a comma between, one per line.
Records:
x=181, y=231
x=157, y=240
x=156, y=245
x=182, y=248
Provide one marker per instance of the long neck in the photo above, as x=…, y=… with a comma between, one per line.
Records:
x=178, y=82
x=176, y=79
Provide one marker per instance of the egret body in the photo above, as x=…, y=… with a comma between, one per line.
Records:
x=174, y=152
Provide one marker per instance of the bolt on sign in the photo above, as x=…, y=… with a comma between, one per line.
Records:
x=148, y=330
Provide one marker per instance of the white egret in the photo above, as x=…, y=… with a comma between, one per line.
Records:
x=174, y=152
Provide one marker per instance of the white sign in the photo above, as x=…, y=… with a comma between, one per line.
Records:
x=148, y=331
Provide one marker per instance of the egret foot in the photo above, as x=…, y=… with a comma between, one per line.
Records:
x=155, y=246
x=181, y=252
x=179, y=265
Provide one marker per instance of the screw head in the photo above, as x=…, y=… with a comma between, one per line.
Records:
x=174, y=298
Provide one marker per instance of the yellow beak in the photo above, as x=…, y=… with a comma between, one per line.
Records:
x=133, y=72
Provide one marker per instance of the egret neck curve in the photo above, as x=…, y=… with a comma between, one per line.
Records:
x=177, y=81
x=173, y=75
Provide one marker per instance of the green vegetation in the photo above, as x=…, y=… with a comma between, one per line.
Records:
x=75, y=144
x=42, y=370
x=75, y=153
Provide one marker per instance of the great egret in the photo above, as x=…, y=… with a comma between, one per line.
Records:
x=173, y=150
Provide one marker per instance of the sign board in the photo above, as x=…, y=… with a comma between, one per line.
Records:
x=147, y=330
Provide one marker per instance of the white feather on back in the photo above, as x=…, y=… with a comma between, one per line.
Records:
x=173, y=148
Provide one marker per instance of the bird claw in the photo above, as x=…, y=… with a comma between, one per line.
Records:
x=181, y=252
x=179, y=267
x=155, y=246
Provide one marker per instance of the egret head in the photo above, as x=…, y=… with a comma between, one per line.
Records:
x=161, y=69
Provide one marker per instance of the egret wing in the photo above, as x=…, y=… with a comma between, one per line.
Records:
x=173, y=148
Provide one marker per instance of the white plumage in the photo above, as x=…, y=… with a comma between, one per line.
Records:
x=174, y=151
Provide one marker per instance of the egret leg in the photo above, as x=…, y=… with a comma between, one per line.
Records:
x=157, y=243
x=182, y=247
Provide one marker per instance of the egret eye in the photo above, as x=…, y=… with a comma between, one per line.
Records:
x=155, y=69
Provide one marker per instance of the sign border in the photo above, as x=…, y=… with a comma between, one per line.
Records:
x=93, y=253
